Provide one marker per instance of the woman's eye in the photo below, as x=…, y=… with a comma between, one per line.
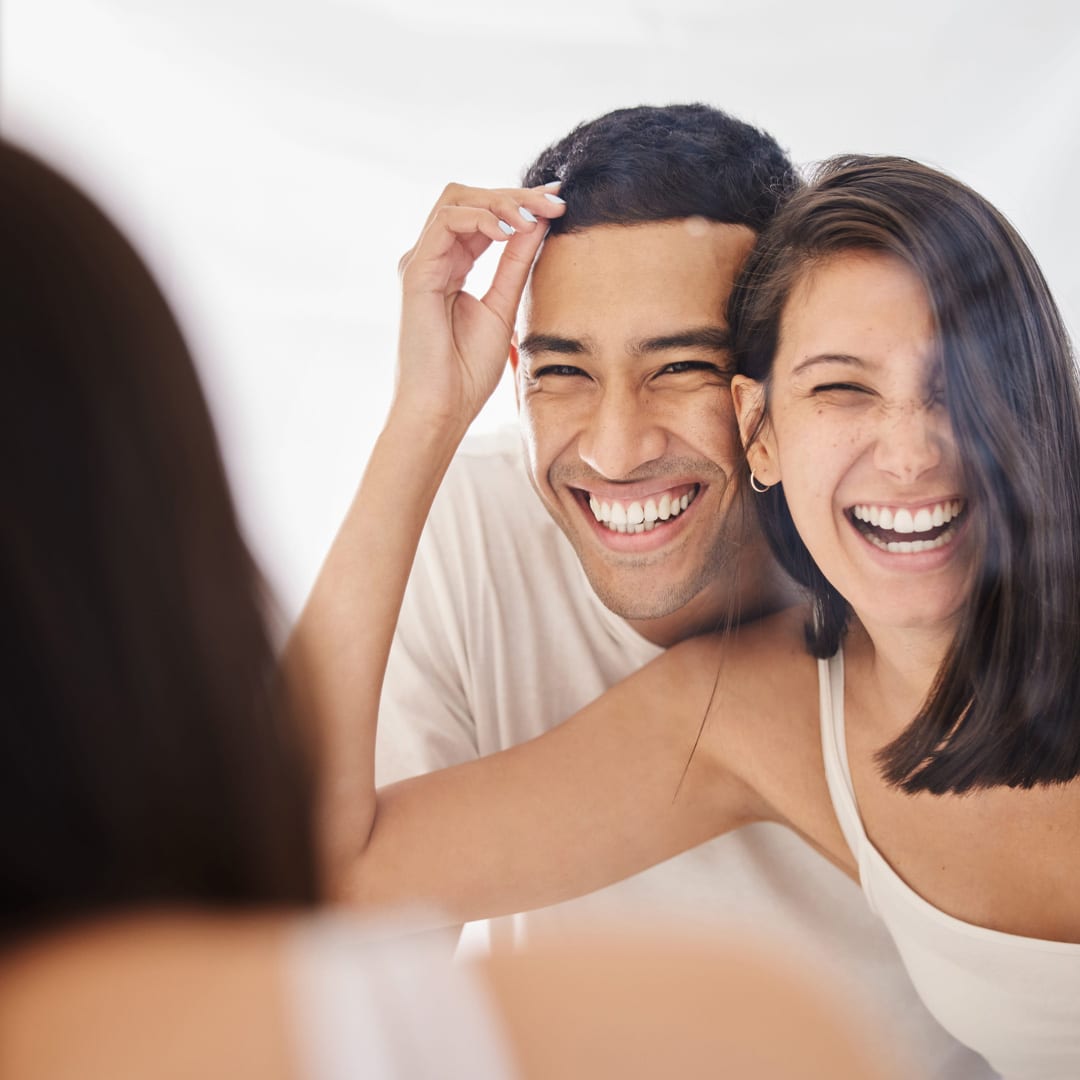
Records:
x=840, y=388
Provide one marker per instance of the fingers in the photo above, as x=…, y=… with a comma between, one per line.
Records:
x=508, y=283
x=507, y=204
x=463, y=224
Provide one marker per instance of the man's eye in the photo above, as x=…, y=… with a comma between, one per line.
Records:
x=557, y=369
x=681, y=366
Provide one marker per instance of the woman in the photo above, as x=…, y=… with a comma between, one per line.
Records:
x=911, y=416
x=158, y=883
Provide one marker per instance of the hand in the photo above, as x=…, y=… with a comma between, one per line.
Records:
x=453, y=346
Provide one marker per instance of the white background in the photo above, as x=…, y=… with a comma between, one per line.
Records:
x=274, y=159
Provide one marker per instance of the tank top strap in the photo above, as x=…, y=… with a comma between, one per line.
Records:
x=837, y=770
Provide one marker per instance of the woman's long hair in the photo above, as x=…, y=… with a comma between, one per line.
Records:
x=145, y=753
x=1004, y=707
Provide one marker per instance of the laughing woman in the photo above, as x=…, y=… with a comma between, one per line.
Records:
x=908, y=402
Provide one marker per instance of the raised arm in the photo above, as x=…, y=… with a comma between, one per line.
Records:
x=453, y=349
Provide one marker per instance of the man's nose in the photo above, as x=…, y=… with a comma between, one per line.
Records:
x=623, y=433
x=909, y=443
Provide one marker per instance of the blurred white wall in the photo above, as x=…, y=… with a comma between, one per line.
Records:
x=274, y=158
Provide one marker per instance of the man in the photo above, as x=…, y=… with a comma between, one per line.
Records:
x=521, y=610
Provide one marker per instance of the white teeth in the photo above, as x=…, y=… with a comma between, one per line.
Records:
x=911, y=547
x=637, y=516
x=903, y=521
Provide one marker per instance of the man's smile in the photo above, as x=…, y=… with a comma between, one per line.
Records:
x=643, y=514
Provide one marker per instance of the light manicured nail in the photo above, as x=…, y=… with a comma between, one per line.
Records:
x=551, y=185
x=508, y=229
x=526, y=215
x=554, y=198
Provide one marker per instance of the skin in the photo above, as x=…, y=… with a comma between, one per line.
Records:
x=622, y=379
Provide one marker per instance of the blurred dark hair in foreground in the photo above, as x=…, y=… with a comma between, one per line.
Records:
x=145, y=757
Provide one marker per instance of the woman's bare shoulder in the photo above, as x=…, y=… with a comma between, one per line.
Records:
x=763, y=722
x=768, y=653
x=164, y=996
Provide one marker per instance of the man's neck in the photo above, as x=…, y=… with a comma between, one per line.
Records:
x=751, y=587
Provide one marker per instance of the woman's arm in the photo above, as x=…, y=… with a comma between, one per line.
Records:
x=591, y=802
x=453, y=348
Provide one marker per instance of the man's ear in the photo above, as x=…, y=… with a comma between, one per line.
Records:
x=515, y=360
x=755, y=431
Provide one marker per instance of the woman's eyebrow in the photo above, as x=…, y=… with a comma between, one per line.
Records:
x=827, y=358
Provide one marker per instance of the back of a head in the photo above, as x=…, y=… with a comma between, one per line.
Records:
x=143, y=758
x=663, y=163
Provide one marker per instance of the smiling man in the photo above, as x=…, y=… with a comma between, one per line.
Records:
x=521, y=610
x=623, y=390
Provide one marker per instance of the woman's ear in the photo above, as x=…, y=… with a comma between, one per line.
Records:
x=754, y=428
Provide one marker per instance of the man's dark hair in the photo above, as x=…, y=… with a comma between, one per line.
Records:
x=146, y=756
x=662, y=163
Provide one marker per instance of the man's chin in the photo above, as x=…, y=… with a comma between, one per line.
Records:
x=635, y=604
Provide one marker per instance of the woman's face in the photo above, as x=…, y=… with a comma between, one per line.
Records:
x=859, y=434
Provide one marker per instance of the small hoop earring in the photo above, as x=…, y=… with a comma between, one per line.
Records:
x=757, y=485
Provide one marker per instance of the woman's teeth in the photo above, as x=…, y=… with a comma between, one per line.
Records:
x=884, y=526
x=640, y=515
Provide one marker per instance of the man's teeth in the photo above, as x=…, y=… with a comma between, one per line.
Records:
x=637, y=516
x=927, y=519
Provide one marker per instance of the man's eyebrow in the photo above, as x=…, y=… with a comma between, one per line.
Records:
x=714, y=338
x=827, y=358
x=551, y=343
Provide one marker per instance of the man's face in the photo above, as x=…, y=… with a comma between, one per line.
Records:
x=623, y=390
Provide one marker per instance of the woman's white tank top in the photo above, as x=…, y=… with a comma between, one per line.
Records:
x=1015, y=1000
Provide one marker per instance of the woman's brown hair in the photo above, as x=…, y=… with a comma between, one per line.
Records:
x=1003, y=709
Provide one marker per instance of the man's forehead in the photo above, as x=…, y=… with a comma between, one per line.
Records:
x=639, y=271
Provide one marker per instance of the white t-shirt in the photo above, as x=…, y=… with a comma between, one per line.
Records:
x=501, y=637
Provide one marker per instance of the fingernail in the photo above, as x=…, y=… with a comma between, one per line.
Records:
x=526, y=215
x=554, y=198
x=551, y=185
x=508, y=229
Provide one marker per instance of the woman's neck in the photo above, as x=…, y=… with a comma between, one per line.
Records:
x=900, y=664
